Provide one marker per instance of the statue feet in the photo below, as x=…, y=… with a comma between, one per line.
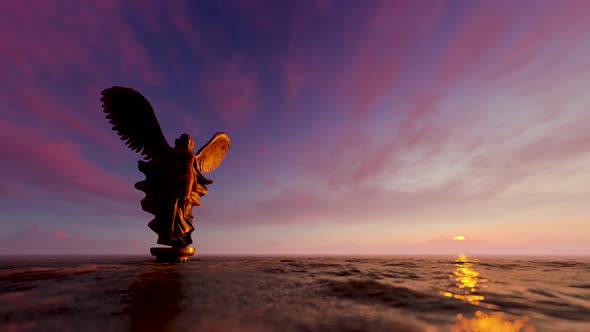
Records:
x=172, y=255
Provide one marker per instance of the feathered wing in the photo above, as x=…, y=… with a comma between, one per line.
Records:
x=212, y=153
x=134, y=120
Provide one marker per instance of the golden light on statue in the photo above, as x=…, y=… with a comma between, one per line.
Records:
x=175, y=179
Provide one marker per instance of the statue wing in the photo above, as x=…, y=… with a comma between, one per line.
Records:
x=134, y=120
x=212, y=153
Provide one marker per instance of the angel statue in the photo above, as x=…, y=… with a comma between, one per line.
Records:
x=174, y=176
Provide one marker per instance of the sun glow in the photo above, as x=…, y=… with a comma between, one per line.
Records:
x=468, y=287
x=459, y=238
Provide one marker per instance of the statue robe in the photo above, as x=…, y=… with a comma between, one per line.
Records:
x=167, y=197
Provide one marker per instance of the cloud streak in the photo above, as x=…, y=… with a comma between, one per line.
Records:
x=57, y=166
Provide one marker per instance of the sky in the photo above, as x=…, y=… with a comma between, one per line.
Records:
x=357, y=127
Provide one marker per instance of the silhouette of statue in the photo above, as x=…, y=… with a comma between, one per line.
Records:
x=174, y=176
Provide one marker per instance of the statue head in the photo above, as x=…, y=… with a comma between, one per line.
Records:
x=185, y=141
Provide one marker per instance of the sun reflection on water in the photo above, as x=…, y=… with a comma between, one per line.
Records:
x=468, y=287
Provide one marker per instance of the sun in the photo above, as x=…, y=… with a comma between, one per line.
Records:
x=459, y=238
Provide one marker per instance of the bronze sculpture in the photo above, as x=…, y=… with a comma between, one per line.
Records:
x=174, y=176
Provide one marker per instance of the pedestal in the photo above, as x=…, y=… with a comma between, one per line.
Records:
x=172, y=255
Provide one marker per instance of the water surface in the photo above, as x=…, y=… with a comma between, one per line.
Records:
x=295, y=294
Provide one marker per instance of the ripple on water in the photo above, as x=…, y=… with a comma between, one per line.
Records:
x=297, y=294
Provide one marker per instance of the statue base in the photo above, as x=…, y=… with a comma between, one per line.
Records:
x=172, y=255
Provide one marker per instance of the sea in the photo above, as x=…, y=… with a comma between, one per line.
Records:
x=268, y=293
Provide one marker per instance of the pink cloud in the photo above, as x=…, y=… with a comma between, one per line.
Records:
x=566, y=142
x=562, y=23
x=44, y=109
x=259, y=13
x=183, y=24
x=332, y=186
x=308, y=205
x=36, y=240
x=55, y=54
x=296, y=74
x=264, y=147
x=350, y=155
x=382, y=50
x=58, y=234
x=233, y=91
x=344, y=155
x=344, y=150
x=57, y=166
x=476, y=41
x=91, y=33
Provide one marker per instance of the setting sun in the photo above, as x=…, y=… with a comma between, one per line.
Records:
x=459, y=238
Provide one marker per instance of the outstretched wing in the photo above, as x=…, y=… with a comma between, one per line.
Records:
x=134, y=120
x=212, y=153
